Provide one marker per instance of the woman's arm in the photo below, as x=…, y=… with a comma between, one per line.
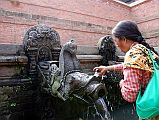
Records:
x=103, y=69
x=130, y=85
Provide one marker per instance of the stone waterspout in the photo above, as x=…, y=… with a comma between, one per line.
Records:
x=42, y=81
x=56, y=73
x=67, y=80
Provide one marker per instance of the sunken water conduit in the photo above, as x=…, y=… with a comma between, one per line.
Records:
x=42, y=80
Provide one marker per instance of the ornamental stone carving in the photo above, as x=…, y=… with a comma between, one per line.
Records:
x=41, y=43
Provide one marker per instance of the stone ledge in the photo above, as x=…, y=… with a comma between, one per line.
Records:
x=13, y=60
x=10, y=49
x=87, y=50
x=13, y=82
x=89, y=57
x=151, y=34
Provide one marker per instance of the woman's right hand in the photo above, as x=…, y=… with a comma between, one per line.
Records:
x=101, y=70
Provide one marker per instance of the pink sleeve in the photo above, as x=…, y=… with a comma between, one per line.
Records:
x=118, y=67
x=131, y=85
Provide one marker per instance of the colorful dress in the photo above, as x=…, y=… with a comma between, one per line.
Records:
x=137, y=70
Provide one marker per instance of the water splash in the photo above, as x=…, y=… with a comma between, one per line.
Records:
x=98, y=111
x=102, y=110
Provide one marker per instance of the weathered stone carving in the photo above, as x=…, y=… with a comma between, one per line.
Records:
x=68, y=61
x=67, y=80
x=107, y=49
x=58, y=72
x=41, y=43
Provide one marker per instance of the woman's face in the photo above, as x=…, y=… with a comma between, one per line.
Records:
x=121, y=43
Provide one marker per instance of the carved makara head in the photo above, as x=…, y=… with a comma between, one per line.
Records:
x=70, y=47
x=84, y=85
x=74, y=81
x=70, y=81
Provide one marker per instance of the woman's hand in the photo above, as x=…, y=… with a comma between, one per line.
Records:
x=101, y=70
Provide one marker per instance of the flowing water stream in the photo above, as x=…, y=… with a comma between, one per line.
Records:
x=98, y=111
x=102, y=110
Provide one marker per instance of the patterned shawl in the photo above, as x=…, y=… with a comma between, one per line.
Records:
x=138, y=57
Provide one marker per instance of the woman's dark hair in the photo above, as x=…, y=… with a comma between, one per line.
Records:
x=130, y=30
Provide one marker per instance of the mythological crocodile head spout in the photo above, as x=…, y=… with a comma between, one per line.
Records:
x=73, y=81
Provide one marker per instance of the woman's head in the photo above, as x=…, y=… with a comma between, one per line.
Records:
x=128, y=30
x=125, y=33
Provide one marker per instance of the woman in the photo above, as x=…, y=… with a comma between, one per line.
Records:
x=137, y=67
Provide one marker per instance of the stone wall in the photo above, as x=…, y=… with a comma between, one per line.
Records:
x=85, y=21
x=17, y=95
x=146, y=14
x=20, y=95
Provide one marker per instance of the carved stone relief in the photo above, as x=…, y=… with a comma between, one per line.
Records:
x=67, y=80
x=41, y=43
